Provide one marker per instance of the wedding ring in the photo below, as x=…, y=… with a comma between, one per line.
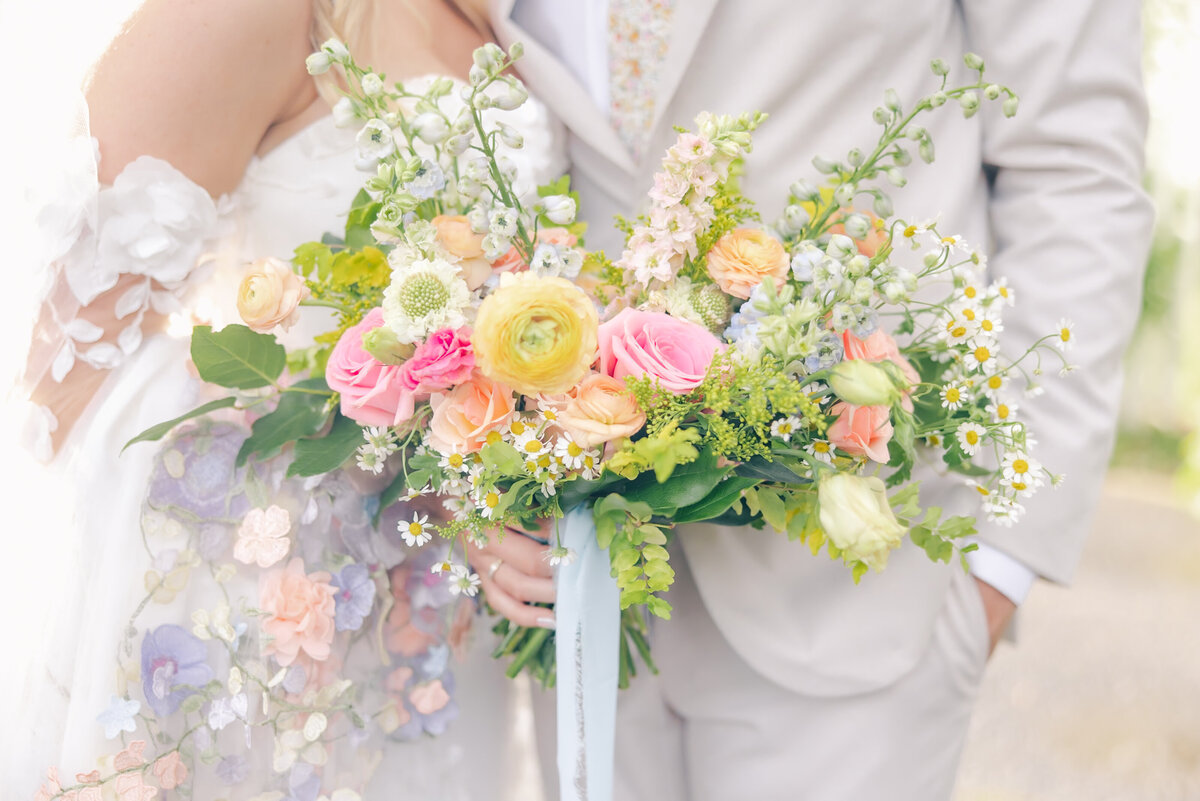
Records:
x=495, y=566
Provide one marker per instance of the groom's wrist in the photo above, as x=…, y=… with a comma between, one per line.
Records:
x=1010, y=577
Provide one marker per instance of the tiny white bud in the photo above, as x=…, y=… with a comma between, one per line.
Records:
x=844, y=194
x=925, y=151
x=939, y=66
x=343, y=113
x=1010, y=106
x=488, y=57
x=992, y=91
x=901, y=157
x=560, y=209
x=458, y=144
x=937, y=99
x=891, y=100
x=803, y=190
x=477, y=217
x=883, y=205
x=855, y=157
x=895, y=177
x=970, y=104
x=336, y=50
x=823, y=165
x=973, y=61
x=431, y=127
x=318, y=63
x=372, y=85
x=880, y=115
x=516, y=50
x=477, y=75
x=512, y=97
x=857, y=226
x=795, y=218
x=510, y=136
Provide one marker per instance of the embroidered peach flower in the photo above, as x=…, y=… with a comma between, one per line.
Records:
x=263, y=536
x=745, y=257
x=270, y=295
x=429, y=698
x=300, y=610
x=170, y=770
x=463, y=417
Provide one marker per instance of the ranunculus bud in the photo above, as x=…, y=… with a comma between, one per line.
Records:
x=857, y=518
x=560, y=209
x=863, y=383
x=386, y=348
x=269, y=295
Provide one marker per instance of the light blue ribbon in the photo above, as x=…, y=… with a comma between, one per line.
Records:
x=587, y=610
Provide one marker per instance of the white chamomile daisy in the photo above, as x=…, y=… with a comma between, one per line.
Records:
x=1064, y=336
x=934, y=441
x=981, y=356
x=972, y=293
x=415, y=532
x=453, y=461
x=820, y=450
x=591, y=466
x=1017, y=487
x=1003, y=511
x=1001, y=290
x=989, y=323
x=444, y=566
x=956, y=330
x=572, y=454
x=1021, y=467
x=970, y=437
x=425, y=295
x=953, y=397
x=487, y=503
x=463, y=581
x=412, y=494
x=954, y=244
x=784, y=427
x=1002, y=411
x=993, y=384
x=560, y=555
x=369, y=460
x=529, y=446
x=985, y=494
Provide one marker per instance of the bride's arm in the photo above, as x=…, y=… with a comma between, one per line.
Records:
x=197, y=84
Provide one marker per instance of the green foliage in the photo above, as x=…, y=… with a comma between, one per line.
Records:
x=302, y=411
x=237, y=357
x=363, y=212
x=317, y=455
x=717, y=502
x=157, y=432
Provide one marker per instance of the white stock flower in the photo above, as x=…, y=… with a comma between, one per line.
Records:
x=375, y=140
x=560, y=209
x=857, y=518
x=431, y=127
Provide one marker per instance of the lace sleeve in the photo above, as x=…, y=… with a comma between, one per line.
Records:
x=118, y=256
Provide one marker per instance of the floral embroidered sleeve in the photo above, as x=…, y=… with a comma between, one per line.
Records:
x=118, y=258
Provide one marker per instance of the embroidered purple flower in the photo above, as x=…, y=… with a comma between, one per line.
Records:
x=232, y=769
x=172, y=664
x=354, y=595
x=197, y=473
x=303, y=783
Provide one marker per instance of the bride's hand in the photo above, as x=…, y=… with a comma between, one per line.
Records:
x=514, y=573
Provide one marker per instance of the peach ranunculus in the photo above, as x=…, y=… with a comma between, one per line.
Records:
x=673, y=352
x=372, y=393
x=743, y=258
x=862, y=430
x=536, y=334
x=463, y=417
x=456, y=236
x=270, y=295
x=600, y=409
x=300, y=609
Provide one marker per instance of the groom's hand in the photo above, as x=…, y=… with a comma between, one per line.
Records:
x=514, y=573
x=999, y=611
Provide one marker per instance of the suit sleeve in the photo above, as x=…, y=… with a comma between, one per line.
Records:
x=1071, y=227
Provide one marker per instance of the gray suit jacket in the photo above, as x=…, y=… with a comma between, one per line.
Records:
x=1053, y=195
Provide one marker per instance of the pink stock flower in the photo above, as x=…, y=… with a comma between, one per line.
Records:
x=300, y=609
x=669, y=188
x=673, y=352
x=690, y=148
x=373, y=393
x=170, y=771
x=440, y=362
x=862, y=430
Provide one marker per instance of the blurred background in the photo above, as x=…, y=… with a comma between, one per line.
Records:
x=1099, y=699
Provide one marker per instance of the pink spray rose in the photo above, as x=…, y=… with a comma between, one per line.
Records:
x=373, y=393
x=440, y=362
x=674, y=352
x=862, y=430
x=299, y=609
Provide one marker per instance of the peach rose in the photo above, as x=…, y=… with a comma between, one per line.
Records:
x=862, y=430
x=741, y=259
x=879, y=347
x=600, y=409
x=463, y=417
x=300, y=610
x=270, y=295
x=456, y=236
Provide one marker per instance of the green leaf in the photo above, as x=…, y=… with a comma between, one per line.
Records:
x=363, y=211
x=157, y=432
x=502, y=457
x=578, y=491
x=319, y=455
x=299, y=414
x=776, y=470
x=237, y=357
x=773, y=510
x=689, y=483
x=717, y=502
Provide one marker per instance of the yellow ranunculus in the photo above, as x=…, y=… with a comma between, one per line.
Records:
x=535, y=334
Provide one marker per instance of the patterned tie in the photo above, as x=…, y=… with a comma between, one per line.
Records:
x=638, y=32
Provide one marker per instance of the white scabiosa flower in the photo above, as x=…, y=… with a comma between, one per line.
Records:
x=424, y=296
x=375, y=141
x=970, y=437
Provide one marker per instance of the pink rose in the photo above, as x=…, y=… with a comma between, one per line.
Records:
x=300, y=610
x=879, y=347
x=862, y=430
x=440, y=362
x=373, y=393
x=674, y=352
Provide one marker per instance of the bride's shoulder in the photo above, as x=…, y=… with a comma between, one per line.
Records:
x=198, y=83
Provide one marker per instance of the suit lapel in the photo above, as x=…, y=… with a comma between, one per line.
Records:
x=553, y=84
x=688, y=23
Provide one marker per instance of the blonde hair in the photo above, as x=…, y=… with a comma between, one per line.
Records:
x=350, y=21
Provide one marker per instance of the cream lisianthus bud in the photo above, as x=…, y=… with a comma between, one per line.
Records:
x=857, y=519
x=336, y=50
x=372, y=85
x=864, y=383
x=318, y=63
x=560, y=209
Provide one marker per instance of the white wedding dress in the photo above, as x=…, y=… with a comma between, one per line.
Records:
x=169, y=244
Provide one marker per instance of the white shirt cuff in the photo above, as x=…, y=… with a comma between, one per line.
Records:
x=1011, y=578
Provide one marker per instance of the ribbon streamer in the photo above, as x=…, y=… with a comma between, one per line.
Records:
x=588, y=617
